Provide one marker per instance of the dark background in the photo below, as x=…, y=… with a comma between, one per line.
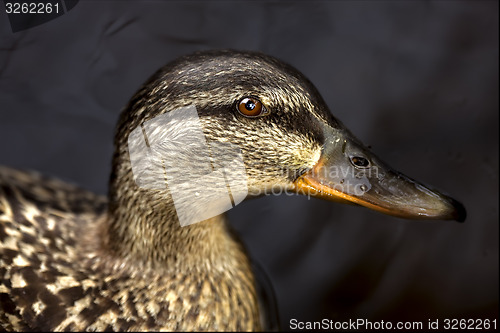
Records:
x=418, y=81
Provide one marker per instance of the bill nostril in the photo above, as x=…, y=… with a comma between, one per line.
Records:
x=360, y=162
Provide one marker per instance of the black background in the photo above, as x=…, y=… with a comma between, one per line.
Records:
x=418, y=81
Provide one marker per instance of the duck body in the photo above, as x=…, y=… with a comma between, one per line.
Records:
x=71, y=260
x=55, y=277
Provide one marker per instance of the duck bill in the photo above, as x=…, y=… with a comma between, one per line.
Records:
x=377, y=187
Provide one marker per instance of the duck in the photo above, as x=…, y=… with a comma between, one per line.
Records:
x=71, y=260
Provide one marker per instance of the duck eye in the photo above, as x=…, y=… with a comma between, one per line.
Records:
x=360, y=162
x=251, y=107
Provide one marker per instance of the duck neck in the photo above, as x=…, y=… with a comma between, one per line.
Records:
x=143, y=226
x=152, y=235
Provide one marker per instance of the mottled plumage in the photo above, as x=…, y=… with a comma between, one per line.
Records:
x=72, y=260
x=55, y=276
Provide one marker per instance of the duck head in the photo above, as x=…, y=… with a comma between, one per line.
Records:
x=285, y=132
